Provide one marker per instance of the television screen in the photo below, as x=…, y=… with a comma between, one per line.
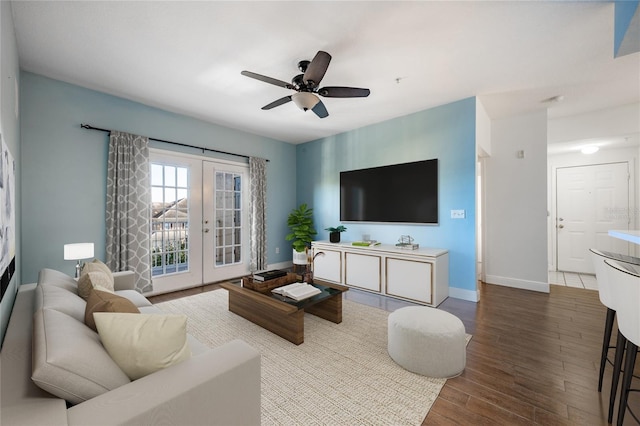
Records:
x=406, y=193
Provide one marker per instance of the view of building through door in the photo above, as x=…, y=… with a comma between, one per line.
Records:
x=590, y=201
x=199, y=221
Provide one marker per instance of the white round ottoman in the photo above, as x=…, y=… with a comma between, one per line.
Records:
x=427, y=341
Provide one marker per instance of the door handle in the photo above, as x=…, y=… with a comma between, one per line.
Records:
x=560, y=226
x=205, y=230
x=560, y=219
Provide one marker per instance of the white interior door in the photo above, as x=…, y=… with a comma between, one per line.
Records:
x=591, y=200
x=225, y=219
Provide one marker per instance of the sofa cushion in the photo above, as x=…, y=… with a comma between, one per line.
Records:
x=59, y=299
x=68, y=359
x=92, y=279
x=135, y=297
x=58, y=279
x=103, y=301
x=143, y=343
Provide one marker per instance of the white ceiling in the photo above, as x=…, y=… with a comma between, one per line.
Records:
x=187, y=57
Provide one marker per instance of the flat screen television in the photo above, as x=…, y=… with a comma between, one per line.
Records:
x=406, y=193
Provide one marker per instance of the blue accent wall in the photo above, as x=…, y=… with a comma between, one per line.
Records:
x=64, y=166
x=623, y=15
x=446, y=133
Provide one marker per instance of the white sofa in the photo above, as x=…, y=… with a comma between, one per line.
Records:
x=218, y=386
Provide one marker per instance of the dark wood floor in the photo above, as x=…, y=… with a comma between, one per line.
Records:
x=533, y=358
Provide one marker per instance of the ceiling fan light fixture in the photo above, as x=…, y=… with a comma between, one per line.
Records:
x=305, y=100
x=591, y=149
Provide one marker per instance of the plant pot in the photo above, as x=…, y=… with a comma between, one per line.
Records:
x=299, y=257
x=334, y=237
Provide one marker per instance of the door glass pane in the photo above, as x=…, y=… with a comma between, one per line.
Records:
x=169, y=219
x=228, y=218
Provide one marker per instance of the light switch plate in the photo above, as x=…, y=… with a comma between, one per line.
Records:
x=457, y=214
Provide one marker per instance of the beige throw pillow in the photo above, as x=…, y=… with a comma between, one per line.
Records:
x=94, y=279
x=98, y=265
x=143, y=343
x=102, y=301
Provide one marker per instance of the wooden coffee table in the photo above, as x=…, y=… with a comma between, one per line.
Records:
x=284, y=316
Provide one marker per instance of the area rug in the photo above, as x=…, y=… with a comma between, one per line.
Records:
x=341, y=374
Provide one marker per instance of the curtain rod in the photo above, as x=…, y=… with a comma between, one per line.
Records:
x=90, y=127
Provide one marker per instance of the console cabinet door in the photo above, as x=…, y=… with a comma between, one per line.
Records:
x=327, y=266
x=411, y=279
x=363, y=270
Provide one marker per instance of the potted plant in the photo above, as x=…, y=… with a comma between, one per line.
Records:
x=300, y=221
x=334, y=233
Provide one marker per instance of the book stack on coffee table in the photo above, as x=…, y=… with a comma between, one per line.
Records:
x=268, y=275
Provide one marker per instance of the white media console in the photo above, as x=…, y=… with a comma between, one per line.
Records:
x=420, y=275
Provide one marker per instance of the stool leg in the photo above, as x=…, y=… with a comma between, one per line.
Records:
x=617, y=366
x=629, y=363
x=606, y=341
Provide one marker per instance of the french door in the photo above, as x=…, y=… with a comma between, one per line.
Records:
x=199, y=231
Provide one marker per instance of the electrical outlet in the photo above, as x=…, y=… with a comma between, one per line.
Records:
x=457, y=214
x=277, y=250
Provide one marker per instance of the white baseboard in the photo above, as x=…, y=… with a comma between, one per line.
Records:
x=281, y=265
x=460, y=293
x=542, y=287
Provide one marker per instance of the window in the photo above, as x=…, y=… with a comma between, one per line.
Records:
x=228, y=214
x=169, y=219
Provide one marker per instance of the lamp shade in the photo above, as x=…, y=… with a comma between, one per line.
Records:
x=305, y=100
x=78, y=251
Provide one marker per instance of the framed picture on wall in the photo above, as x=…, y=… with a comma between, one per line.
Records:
x=7, y=214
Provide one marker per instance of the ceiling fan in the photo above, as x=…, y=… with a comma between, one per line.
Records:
x=306, y=86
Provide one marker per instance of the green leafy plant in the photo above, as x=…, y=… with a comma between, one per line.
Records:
x=336, y=229
x=300, y=221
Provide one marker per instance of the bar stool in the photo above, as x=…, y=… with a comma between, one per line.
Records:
x=604, y=292
x=624, y=282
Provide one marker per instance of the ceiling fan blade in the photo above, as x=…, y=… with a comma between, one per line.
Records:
x=343, y=92
x=317, y=68
x=266, y=79
x=320, y=110
x=278, y=102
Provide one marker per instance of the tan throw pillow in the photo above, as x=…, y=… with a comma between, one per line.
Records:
x=90, y=280
x=143, y=343
x=102, y=301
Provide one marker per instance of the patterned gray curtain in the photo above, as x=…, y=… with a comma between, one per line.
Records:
x=258, y=214
x=128, y=204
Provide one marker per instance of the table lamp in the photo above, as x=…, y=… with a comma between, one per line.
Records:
x=78, y=251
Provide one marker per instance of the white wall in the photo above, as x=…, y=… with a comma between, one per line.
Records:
x=618, y=121
x=516, y=203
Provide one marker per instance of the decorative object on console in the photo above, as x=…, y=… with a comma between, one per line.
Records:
x=406, y=242
x=300, y=221
x=78, y=251
x=334, y=233
x=366, y=243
